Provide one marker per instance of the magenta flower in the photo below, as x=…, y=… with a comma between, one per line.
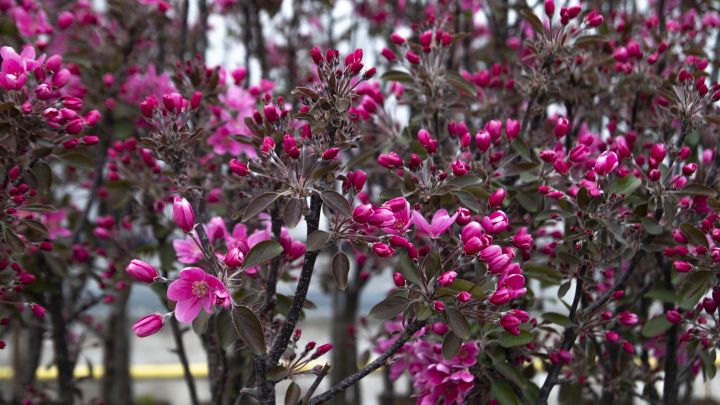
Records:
x=195, y=290
x=495, y=222
x=440, y=223
x=400, y=209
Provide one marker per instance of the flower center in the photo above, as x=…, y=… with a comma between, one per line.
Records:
x=199, y=288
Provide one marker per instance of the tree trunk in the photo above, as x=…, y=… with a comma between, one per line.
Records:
x=116, y=386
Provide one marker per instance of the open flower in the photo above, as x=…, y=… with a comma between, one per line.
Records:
x=441, y=221
x=195, y=290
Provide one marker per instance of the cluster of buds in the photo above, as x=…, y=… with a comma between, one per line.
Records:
x=46, y=95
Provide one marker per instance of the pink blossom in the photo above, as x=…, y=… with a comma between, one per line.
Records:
x=441, y=221
x=187, y=250
x=195, y=290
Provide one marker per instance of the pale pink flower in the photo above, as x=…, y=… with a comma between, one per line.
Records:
x=440, y=223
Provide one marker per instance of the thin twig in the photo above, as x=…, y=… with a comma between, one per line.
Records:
x=410, y=330
x=318, y=379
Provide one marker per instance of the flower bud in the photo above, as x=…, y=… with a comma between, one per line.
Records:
x=383, y=250
x=606, y=163
x=512, y=128
x=148, y=325
x=141, y=271
x=399, y=279
x=412, y=57
x=362, y=213
x=148, y=106
x=511, y=324
x=234, y=258
x=464, y=296
x=195, y=100
x=239, y=168
x=330, y=153
x=183, y=214
x=496, y=199
x=447, y=278
x=673, y=316
x=682, y=267
x=562, y=126
x=628, y=318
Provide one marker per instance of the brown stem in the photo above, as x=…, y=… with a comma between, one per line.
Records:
x=318, y=379
x=182, y=356
x=271, y=284
x=266, y=388
x=410, y=330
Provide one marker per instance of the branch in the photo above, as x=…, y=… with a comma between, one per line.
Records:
x=410, y=330
x=182, y=355
x=265, y=388
x=271, y=284
x=569, y=337
x=281, y=342
x=321, y=374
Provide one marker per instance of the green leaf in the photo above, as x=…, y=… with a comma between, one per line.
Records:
x=316, y=240
x=655, y=327
x=508, y=340
x=468, y=200
x=558, y=319
x=542, y=272
x=38, y=208
x=698, y=189
x=458, y=324
x=200, y=323
x=625, y=185
x=460, y=84
x=503, y=392
x=588, y=40
x=530, y=202
x=521, y=149
x=389, y=307
x=422, y=311
x=694, y=235
x=35, y=226
x=293, y=211
x=258, y=204
x=451, y=346
x=262, y=252
x=694, y=286
x=249, y=329
x=652, y=226
x=663, y=295
x=340, y=269
x=527, y=13
x=337, y=202
x=292, y=395
x=510, y=372
x=397, y=76
x=12, y=240
x=77, y=159
x=277, y=373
